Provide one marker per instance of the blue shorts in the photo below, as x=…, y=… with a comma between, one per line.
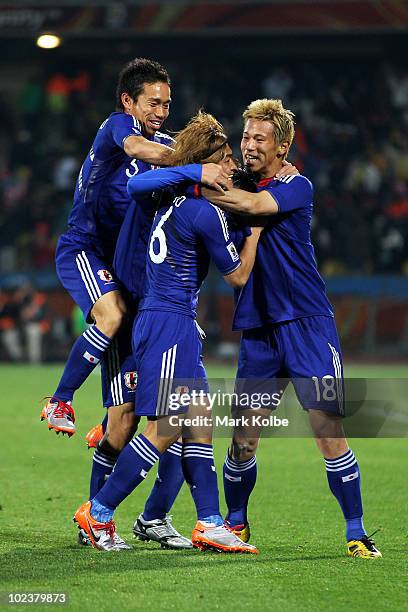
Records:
x=305, y=351
x=167, y=350
x=83, y=272
x=118, y=371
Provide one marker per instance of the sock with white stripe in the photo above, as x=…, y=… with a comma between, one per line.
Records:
x=239, y=481
x=199, y=472
x=343, y=475
x=102, y=466
x=132, y=467
x=85, y=354
x=167, y=486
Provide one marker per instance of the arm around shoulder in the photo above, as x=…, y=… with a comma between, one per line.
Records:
x=244, y=202
x=147, y=150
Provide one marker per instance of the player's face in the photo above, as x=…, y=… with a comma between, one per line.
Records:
x=228, y=163
x=258, y=147
x=152, y=106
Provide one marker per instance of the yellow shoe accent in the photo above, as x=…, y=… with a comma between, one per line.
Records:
x=242, y=531
x=364, y=548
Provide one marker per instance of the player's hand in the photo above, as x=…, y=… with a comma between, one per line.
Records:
x=287, y=169
x=214, y=176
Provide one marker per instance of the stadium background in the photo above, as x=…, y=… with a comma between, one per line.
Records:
x=341, y=66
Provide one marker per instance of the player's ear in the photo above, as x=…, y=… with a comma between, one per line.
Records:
x=283, y=149
x=127, y=101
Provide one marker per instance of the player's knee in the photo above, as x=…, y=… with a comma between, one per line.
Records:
x=109, y=321
x=159, y=434
x=122, y=425
x=243, y=448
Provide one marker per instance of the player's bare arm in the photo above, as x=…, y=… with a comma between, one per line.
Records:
x=147, y=150
x=239, y=277
x=242, y=202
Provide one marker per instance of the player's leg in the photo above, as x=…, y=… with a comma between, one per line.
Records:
x=157, y=339
x=317, y=370
x=87, y=351
x=155, y=523
x=122, y=424
x=210, y=531
x=140, y=454
x=95, y=517
x=258, y=367
x=93, y=288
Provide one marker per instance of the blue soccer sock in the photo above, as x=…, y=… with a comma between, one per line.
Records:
x=85, y=354
x=102, y=466
x=239, y=481
x=168, y=483
x=132, y=467
x=199, y=472
x=343, y=475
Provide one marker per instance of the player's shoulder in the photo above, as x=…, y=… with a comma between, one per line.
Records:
x=163, y=138
x=120, y=118
x=296, y=180
x=211, y=214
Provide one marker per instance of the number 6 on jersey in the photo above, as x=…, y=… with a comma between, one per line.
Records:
x=158, y=234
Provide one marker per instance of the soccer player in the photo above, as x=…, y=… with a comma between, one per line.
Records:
x=287, y=323
x=186, y=233
x=127, y=143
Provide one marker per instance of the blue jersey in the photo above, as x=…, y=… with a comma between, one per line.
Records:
x=184, y=236
x=129, y=262
x=284, y=284
x=101, y=198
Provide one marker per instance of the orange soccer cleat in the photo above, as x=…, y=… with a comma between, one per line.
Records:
x=207, y=536
x=94, y=436
x=60, y=416
x=102, y=536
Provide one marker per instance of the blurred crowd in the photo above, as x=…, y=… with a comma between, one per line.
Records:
x=23, y=324
x=351, y=141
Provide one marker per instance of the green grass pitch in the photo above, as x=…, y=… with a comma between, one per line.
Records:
x=295, y=521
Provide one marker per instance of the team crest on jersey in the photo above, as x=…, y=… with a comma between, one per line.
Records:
x=131, y=380
x=105, y=276
x=182, y=389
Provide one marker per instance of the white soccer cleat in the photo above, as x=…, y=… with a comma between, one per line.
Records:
x=60, y=416
x=161, y=531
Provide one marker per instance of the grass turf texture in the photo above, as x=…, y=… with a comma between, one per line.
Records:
x=295, y=521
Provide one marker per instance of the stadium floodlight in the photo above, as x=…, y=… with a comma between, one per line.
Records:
x=48, y=41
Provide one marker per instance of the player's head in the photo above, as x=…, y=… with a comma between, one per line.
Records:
x=203, y=141
x=144, y=91
x=269, y=129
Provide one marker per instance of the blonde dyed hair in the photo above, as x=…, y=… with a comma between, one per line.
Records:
x=202, y=140
x=282, y=119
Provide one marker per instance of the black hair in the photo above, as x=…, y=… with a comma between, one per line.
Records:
x=135, y=74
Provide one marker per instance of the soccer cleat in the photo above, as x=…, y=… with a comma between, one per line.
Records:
x=221, y=539
x=94, y=436
x=242, y=531
x=364, y=547
x=102, y=536
x=60, y=416
x=161, y=531
x=83, y=540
